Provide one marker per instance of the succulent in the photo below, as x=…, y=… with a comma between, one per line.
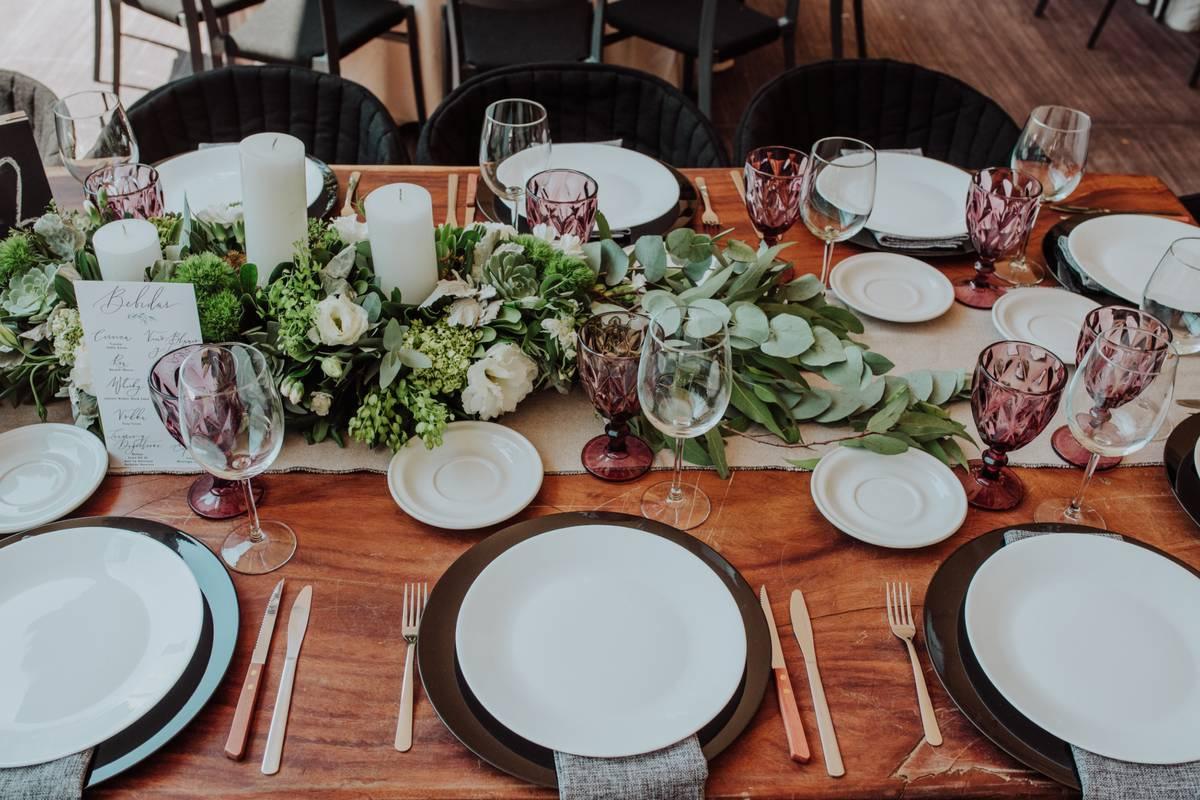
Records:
x=16, y=255
x=31, y=293
x=60, y=233
x=511, y=272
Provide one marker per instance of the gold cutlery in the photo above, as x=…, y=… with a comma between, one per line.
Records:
x=900, y=618
x=297, y=626
x=351, y=190
x=797, y=744
x=709, y=218
x=235, y=745
x=1063, y=208
x=452, y=199
x=411, y=611
x=1187, y=403
x=469, y=216
x=739, y=183
x=802, y=630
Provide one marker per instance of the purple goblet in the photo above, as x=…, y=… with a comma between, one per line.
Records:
x=1002, y=205
x=610, y=347
x=120, y=191
x=774, y=179
x=209, y=496
x=1015, y=394
x=564, y=199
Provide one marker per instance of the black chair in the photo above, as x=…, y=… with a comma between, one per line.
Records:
x=487, y=34
x=586, y=103
x=1192, y=203
x=889, y=104
x=339, y=121
x=318, y=33
x=19, y=92
x=720, y=30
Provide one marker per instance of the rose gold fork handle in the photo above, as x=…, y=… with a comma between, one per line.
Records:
x=933, y=734
x=797, y=744
x=404, y=725
x=703, y=184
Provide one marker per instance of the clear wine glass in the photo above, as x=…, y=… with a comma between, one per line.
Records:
x=684, y=381
x=774, y=183
x=1116, y=402
x=1053, y=148
x=1002, y=205
x=513, y=147
x=231, y=417
x=1172, y=296
x=93, y=132
x=838, y=192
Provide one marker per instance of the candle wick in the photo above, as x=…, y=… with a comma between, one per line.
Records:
x=400, y=193
x=274, y=142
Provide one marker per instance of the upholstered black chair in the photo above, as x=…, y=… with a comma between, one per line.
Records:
x=586, y=103
x=486, y=34
x=19, y=92
x=1192, y=203
x=339, y=121
x=889, y=104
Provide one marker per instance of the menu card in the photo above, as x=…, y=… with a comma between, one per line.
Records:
x=127, y=326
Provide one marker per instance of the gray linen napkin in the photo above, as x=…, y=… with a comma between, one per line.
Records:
x=677, y=772
x=1064, y=252
x=908, y=243
x=1104, y=778
x=55, y=780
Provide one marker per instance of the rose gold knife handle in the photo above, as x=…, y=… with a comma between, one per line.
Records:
x=235, y=745
x=797, y=744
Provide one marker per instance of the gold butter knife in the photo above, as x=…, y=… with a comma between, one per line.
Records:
x=452, y=199
x=802, y=628
x=351, y=190
x=797, y=744
x=472, y=185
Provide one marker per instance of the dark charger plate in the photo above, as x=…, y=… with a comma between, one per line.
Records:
x=465, y=716
x=1066, y=276
x=218, y=636
x=865, y=238
x=1181, y=465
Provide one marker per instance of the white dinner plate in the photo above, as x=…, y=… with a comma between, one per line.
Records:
x=97, y=625
x=1120, y=251
x=892, y=287
x=919, y=197
x=1094, y=639
x=902, y=501
x=482, y=474
x=1047, y=317
x=601, y=640
x=46, y=472
x=212, y=176
x=632, y=189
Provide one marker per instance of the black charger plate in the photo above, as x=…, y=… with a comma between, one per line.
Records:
x=466, y=717
x=1067, y=277
x=1181, y=465
x=195, y=687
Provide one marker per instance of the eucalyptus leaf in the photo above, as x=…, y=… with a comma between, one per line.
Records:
x=803, y=288
x=389, y=368
x=413, y=359
x=815, y=403
x=879, y=364
x=740, y=251
x=373, y=307
x=614, y=262
x=921, y=382
x=826, y=349
x=945, y=385
x=807, y=464
x=716, y=451
x=886, y=417
x=847, y=373
x=651, y=253
x=712, y=284
x=715, y=308
x=749, y=404
x=393, y=335
x=844, y=404
x=789, y=337
x=878, y=443
x=871, y=393
x=749, y=322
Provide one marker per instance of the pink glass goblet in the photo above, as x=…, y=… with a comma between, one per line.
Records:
x=1015, y=394
x=774, y=180
x=564, y=199
x=121, y=191
x=610, y=347
x=209, y=496
x=1002, y=205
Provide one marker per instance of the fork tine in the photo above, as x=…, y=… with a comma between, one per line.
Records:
x=404, y=608
x=887, y=587
x=908, y=604
x=424, y=602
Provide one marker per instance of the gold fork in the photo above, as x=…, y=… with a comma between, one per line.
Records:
x=452, y=199
x=709, y=217
x=900, y=618
x=411, y=611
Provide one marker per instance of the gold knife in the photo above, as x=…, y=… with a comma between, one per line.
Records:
x=351, y=190
x=472, y=184
x=452, y=199
x=297, y=626
x=797, y=744
x=235, y=745
x=802, y=628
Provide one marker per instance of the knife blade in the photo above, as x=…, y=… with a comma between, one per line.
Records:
x=802, y=628
x=472, y=184
x=797, y=744
x=235, y=745
x=297, y=626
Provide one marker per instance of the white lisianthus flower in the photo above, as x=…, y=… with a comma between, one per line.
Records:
x=570, y=245
x=493, y=234
x=350, y=229
x=545, y=232
x=562, y=329
x=292, y=390
x=498, y=381
x=81, y=370
x=340, y=320
x=220, y=213
x=320, y=402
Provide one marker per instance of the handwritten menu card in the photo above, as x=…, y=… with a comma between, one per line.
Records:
x=127, y=326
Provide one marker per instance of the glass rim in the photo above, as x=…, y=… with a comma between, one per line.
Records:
x=655, y=326
x=1168, y=350
x=259, y=372
x=61, y=110
x=589, y=182
x=487, y=114
x=1190, y=261
x=801, y=157
x=867, y=147
x=1084, y=118
x=585, y=346
x=987, y=372
x=153, y=179
x=1034, y=182
x=1164, y=330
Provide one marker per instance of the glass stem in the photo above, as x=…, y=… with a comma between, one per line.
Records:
x=1077, y=501
x=825, y=262
x=256, y=534
x=676, y=493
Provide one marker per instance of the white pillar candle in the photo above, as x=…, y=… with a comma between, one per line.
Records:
x=273, y=199
x=125, y=248
x=400, y=227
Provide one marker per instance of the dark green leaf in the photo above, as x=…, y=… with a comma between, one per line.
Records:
x=808, y=464
x=602, y=226
x=878, y=443
x=748, y=403
x=879, y=364
x=886, y=417
x=716, y=450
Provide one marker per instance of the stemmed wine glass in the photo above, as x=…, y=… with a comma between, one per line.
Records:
x=1115, y=404
x=610, y=346
x=210, y=497
x=1053, y=148
x=1015, y=394
x=513, y=147
x=231, y=417
x=564, y=199
x=838, y=192
x=774, y=183
x=1172, y=296
x=1002, y=205
x=684, y=383
x=93, y=132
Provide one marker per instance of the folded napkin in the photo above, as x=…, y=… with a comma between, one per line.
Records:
x=62, y=779
x=1064, y=253
x=677, y=772
x=910, y=243
x=1104, y=778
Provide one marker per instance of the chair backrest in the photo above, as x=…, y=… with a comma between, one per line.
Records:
x=586, y=103
x=19, y=92
x=516, y=32
x=339, y=121
x=889, y=104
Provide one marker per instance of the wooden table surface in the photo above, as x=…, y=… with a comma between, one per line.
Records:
x=357, y=548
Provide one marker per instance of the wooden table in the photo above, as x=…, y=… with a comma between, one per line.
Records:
x=357, y=548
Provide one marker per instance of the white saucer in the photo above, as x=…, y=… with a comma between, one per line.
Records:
x=482, y=474
x=903, y=501
x=46, y=472
x=1047, y=317
x=892, y=287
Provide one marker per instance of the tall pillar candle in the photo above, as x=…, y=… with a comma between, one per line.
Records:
x=125, y=248
x=273, y=199
x=400, y=227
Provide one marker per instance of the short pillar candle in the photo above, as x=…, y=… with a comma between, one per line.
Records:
x=125, y=248
x=273, y=199
x=400, y=227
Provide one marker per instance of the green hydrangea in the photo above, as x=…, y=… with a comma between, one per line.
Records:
x=16, y=255
x=218, y=294
x=292, y=301
x=449, y=347
x=168, y=229
x=30, y=293
x=391, y=416
x=323, y=236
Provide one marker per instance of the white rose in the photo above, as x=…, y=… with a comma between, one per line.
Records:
x=340, y=320
x=350, y=229
x=320, y=402
x=498, y=381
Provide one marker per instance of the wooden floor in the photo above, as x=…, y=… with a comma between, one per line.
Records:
x=1134, y=84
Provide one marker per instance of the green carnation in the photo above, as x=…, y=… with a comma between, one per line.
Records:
x=449, y=347
x=218, y=297
x=391, y=416
x=16, y=255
